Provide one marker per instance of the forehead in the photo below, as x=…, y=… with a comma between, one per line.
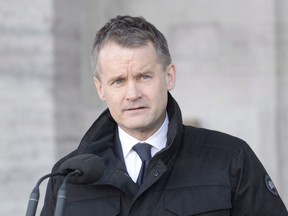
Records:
x=112, y=50
x=113, y=55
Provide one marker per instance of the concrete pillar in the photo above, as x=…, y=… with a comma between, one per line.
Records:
x=282, y=112
x=67, y=82
x=26, y=100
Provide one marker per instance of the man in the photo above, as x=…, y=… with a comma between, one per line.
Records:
x=192, y=171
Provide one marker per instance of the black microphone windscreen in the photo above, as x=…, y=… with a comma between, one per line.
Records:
x=91, y=168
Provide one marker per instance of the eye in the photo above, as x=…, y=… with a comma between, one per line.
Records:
x=117, y=82
x=145, y=77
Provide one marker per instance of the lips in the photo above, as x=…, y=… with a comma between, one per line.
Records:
x=134, y=109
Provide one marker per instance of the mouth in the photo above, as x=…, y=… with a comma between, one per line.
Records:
x=135, y=109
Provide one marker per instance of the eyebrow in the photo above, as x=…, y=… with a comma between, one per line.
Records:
x=117, y=77
x=144, y=73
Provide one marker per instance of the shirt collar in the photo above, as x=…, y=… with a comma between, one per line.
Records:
x=157, y=140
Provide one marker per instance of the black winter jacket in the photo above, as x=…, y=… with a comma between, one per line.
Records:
x=199, y=172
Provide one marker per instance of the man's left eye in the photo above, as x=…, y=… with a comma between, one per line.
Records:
x=145, y=77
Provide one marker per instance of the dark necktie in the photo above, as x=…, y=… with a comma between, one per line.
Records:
x=144, y=152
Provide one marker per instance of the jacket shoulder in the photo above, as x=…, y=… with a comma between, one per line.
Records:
x=213, y=139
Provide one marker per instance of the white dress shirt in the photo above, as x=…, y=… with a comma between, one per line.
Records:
x=133, y=162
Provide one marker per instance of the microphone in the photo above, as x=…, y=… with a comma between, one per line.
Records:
x=89, y=168
x=61, y=195
x=34, y=196
x=83, y=169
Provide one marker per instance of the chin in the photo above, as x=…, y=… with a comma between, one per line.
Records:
x=138, y=126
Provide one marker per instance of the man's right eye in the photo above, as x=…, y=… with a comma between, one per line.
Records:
x=117, y=82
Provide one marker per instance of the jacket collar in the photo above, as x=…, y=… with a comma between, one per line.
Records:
x=101, y=135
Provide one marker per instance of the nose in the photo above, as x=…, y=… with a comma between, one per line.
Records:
x=133, y=91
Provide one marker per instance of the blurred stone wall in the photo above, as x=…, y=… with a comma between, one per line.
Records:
x=231, y=59
x=282, y=93
x=27, y=132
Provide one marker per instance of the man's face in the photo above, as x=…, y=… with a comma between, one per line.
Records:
x=134, y=85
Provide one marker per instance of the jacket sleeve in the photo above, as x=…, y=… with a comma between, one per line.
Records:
x=255, y=192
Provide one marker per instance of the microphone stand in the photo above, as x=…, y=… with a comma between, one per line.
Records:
x=34, y=196
x=61, y=196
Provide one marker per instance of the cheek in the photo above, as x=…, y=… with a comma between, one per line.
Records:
x=159, y=95
x=113, y=102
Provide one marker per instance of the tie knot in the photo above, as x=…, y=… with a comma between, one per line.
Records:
x=143, y=150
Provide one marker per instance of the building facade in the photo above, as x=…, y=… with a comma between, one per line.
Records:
x=232, y=76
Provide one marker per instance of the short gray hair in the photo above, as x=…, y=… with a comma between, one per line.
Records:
x=130, y=32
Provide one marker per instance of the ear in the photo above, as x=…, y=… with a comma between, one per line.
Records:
x=171, y=77
x=99, y=88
